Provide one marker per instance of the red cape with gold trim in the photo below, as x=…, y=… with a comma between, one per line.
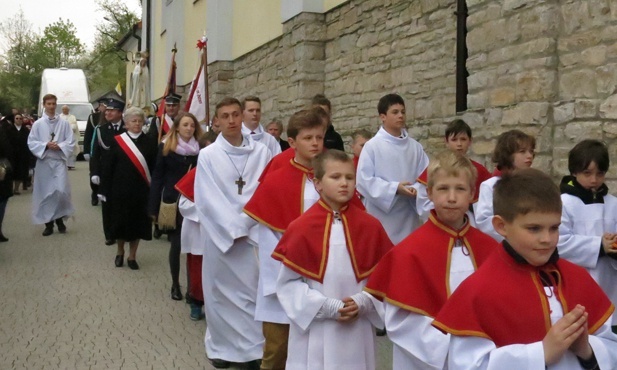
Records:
x=504, y=301
x=186, y=185
x=304, y=246
x=279, y=199
x=278, y=161
x=483, y=175
x=414, y=275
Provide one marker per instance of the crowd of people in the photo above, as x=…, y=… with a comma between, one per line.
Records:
x=297, y=252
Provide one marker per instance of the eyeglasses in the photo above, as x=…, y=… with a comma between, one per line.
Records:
x=18, y=118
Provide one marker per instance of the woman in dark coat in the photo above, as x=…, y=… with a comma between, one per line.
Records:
x=19, y=138
x=177, y=154
x=126, y=184
x=6, y=185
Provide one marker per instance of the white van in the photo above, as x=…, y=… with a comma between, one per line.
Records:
x=71, y=88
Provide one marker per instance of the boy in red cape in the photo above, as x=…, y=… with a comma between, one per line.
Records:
x=458, y=139
x=419, y=274
x=526, y=308
x=281, y=198
x=327, y=255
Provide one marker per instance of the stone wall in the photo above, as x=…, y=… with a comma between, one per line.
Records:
x=548, y=67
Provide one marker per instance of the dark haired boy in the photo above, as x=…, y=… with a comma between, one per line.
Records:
x=458, y=139
x=589, y=216
x=514, y=150
x=251, y=117
x=526, y=308
x=51, y=141
x=327, y=254
x=225, y=179
x=389, y=164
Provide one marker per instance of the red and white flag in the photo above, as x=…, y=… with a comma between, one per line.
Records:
x=197, y=102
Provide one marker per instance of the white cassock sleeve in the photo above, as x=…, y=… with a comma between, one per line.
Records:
x=479, y=353
x=187, y=209
x=381, y=193
x=300, y=302
x=483, y=210
x=418, y=343
x=583, y=250
x=38, y=139
x=66, y=141
x=268, y=267
x=216, y=213
x=423, y=204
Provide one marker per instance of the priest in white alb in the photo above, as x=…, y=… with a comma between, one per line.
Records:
x=52, y=142
x=226, y=178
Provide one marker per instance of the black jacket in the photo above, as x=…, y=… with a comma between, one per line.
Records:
x=6, y=151
x=103, y=138
x=169, y=169
x=332, y=139
x=94, y=119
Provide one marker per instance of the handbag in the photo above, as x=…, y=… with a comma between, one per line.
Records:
x=5, y=167
x=167, y=215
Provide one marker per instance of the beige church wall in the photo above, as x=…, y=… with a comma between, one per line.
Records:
x=330, y=4
x=158, y=54
x=194, y=29
x=255, y=22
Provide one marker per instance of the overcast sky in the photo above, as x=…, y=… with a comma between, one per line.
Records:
x=84, y=14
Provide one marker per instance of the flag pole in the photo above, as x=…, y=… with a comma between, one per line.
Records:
x=204, y=59
x=168, y=89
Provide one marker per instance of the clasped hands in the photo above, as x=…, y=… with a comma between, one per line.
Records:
x=404, y=188
x=52, y=145
x=569, y=333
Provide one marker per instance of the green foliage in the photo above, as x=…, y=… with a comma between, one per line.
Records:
x=27, y=53
x=59, y=45
x=106, y=65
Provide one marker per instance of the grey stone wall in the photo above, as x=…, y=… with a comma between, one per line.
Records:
x=547, y=67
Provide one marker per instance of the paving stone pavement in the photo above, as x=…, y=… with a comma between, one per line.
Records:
x=64, y=305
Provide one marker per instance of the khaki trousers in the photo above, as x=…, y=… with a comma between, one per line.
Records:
x=275, y=347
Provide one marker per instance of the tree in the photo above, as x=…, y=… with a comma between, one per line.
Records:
x=106, y=65
x=21, y=65
x=60, y=46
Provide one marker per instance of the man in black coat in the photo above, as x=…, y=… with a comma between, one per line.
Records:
x=104, y=135
x=332, y=139
x=172, y=108
x=94, y=120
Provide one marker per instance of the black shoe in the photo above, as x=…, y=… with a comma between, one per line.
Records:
x=176, y=294
x=49, y=229
x=157, y=233
x=220, y=364
x=61, y=227
x=253, y=365
x=380, y=332
x=94, y=201
x=110, y=242
x=3, y=238
x=132, y=264
x=119, y=260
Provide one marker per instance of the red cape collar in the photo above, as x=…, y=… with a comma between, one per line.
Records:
x=279, y=199
x=303, y=250
x=415, y=274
